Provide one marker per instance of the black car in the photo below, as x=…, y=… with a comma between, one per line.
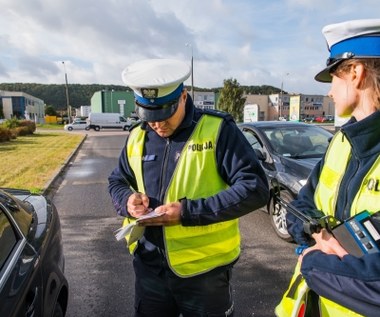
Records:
x=288, y=152
x=32, y=281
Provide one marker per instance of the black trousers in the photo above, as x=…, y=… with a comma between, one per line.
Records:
x=160, y=293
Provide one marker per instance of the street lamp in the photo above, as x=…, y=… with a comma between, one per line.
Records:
x=281, y=102
x=192, y=71
x=67, y=94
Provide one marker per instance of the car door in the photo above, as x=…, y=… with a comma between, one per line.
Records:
x=20, y=278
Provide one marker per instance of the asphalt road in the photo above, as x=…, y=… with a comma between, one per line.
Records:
x=99, y=269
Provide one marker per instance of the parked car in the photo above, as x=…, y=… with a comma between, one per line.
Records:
x=320, y=119
x=32, y=281
x=77, y=125
x=99, y=121
x=288, y=151
x=309, y=119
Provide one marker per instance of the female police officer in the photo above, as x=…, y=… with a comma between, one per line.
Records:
x=198, y=170
x=343, y=184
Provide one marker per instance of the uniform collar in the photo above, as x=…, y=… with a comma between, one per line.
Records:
x=364, y=135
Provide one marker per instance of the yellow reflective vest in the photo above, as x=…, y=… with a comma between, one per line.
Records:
x=192, y=250
x=325, y=197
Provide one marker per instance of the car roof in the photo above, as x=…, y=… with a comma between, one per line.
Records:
x=271, y=124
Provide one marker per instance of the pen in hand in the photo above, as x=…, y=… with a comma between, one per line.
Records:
x=138, y=205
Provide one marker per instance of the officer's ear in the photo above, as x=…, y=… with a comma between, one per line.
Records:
x=357, y=74
x=184, y=95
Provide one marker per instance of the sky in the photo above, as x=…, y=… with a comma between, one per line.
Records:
x=256, y=42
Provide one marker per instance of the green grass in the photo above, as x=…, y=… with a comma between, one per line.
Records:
x=50, y=126
x=29, y=162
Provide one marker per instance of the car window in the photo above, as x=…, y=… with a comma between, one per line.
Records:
x=298, y=141
x=8, y=238
x=253, y=140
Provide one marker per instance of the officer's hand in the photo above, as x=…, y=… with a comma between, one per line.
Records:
x=171, y=215
x=296, y=229
x=137, y=205
x=325, y=242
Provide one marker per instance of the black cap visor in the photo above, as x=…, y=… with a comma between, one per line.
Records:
x=155, y=113
x=324, y=76
x=332, y=63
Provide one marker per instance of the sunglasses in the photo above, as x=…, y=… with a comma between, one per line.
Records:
x=154, y=113
x=158, y=107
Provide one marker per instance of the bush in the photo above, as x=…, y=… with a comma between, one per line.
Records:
x=12, y=123
x=14, y=128
x=29, y=125
x=5, y=134
x=22, y=131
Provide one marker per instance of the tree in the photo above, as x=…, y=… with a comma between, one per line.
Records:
x=50, y=111
x=231, y=99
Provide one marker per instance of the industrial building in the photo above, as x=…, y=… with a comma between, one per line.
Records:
x=111, y=101
x=21, y=105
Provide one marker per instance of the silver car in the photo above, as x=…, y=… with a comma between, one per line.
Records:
x=77, y=125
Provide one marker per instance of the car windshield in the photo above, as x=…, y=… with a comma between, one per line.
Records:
x=298, y=142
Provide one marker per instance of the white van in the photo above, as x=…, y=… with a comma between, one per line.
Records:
x=99, y=121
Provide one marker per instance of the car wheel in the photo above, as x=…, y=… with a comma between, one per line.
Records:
x=278, y=216
x=70, y=128
x=87, y=128
x=97, y=128
x=58, y=311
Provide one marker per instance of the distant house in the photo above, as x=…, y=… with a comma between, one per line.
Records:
x=204, y=99
x=275, y=106
x=21, y=105
x=83, y=111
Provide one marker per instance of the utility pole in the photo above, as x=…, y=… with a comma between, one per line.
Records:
x=67, y=95
x=281, y=101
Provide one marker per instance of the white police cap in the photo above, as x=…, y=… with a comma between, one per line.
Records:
x=157, y=85
x=350, y=39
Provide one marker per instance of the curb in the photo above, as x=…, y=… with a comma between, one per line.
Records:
x=49, y=184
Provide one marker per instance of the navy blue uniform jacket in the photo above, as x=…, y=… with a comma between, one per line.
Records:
x=237, y=165
x=352, y=282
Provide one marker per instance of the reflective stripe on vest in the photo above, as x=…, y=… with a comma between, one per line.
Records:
x=294, y=300
x=193, y=250
x=332, y=173
x=135, y=155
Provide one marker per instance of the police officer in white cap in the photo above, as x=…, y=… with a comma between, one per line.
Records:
x=344, y=282
x=198, y=171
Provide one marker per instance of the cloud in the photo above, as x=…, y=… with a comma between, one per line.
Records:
x=256, y=42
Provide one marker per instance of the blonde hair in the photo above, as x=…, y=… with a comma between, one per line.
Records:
x=372, y=75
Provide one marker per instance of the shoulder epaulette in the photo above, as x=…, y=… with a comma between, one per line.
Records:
x=135, y=124
x=218, y=113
